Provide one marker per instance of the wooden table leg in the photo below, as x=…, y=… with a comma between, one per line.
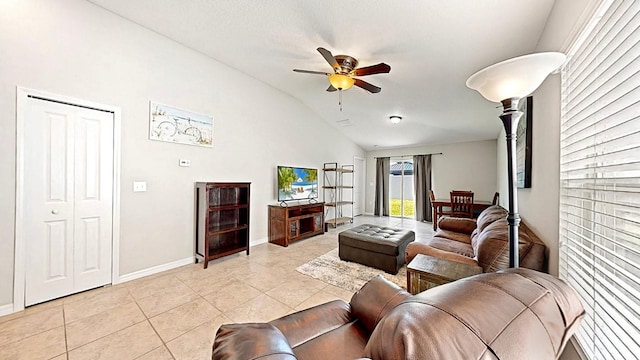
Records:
x=435, y=217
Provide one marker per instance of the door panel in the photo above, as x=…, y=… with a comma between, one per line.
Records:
x=93, y=198
x=48, y=203
x=56, y=267
x=68, y=186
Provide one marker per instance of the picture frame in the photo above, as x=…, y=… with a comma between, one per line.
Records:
x=524, y=140
x=171, y=124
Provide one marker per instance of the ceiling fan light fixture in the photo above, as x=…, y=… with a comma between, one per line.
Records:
x=395, y=119
x=340, y=81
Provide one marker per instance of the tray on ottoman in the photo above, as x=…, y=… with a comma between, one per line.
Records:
x=376, y=246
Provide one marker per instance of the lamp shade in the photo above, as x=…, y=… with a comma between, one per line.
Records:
x=341, y=82
x=515, y=78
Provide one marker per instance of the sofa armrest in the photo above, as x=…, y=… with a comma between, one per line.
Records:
x=461, y=225
x=375, y=299
x=310, y=323
x=251, y=341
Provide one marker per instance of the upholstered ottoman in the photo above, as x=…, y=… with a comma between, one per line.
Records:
x=379, y=247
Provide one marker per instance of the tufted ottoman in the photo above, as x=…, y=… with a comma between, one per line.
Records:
x=375, y=246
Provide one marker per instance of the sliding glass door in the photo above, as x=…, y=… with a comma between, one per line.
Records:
x=401, y=193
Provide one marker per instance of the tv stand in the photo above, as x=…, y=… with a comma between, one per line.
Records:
x=296, y=222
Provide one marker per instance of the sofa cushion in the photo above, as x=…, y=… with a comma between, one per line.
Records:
x=457, y=247
x=492, y=252
x=452, y=235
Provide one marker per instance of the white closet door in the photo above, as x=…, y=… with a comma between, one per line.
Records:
x=68, y=172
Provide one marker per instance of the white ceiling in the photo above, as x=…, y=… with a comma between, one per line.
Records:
x=432, y=47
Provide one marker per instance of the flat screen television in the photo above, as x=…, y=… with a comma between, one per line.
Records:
x=296, y=183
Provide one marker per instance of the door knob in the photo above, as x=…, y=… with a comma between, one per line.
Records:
x=54, y=212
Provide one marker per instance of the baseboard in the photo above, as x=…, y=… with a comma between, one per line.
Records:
x=154, y=270
x=6, y=309
x=258, y=242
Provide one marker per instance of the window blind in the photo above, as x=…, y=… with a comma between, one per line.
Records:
x=600, y=180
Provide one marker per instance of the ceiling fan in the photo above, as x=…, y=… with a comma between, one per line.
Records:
x=344, y=72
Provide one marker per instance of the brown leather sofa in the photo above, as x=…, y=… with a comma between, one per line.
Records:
x=483, y=242
x=512, y=314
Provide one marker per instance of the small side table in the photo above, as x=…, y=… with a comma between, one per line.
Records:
x=425, y=272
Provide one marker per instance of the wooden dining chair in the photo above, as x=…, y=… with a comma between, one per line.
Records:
x=462, y=203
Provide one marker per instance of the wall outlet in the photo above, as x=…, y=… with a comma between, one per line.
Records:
x=184, y=163
x=139, y=186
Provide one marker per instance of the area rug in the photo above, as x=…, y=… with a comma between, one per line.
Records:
x=346, y=275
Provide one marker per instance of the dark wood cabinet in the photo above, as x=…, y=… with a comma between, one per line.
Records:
x=222, y=219
x=290, y=223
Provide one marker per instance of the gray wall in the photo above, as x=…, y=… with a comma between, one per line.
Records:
x=462, y=166
x=76, y=49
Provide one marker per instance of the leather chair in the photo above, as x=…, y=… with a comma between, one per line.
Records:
x=513, y=314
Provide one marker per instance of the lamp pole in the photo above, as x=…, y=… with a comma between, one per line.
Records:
x=510, y=117
x=513, y=80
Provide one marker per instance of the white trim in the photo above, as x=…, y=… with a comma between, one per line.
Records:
x=363, y=191
x=585, y=24
x=155, y=269
x=588, y=22
x=6, y=309
x=258, y=242
x=20, y=256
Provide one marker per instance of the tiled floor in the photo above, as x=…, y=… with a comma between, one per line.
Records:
x=175, y=314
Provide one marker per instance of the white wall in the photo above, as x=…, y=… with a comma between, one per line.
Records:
x=74, y=48
x=462, y=166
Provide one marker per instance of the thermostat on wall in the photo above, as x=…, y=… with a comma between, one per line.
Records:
x=185, y=163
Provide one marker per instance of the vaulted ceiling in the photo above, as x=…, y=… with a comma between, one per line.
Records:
x=432, y=47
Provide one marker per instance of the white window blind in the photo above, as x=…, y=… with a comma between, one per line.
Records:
x=600, y=181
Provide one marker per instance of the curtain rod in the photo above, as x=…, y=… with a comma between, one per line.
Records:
x=377, y=157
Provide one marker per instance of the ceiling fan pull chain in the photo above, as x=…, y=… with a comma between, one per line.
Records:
x=340, y=98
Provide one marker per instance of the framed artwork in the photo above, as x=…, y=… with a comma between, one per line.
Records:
x=524, y=137
x=167, y=123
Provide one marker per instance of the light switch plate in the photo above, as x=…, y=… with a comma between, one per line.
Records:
x=139, y=186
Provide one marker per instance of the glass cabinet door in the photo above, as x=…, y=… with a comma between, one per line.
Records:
x=293, y=229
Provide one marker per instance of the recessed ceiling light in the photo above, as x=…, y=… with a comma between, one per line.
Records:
x=395, y=119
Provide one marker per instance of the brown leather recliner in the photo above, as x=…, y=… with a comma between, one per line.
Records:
x=483, y=242
x=512, y=314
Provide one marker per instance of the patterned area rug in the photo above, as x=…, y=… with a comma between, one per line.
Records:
x=347, y=275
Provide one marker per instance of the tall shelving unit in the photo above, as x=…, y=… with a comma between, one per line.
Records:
x=337, y=190
x=222, y=219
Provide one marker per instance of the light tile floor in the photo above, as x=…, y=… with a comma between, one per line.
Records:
x=175, y=314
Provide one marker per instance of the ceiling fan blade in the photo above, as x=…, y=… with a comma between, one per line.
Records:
x=331, y=88
x=329, y=57
x=311, y=72
x=373, y=69
x=365, y=85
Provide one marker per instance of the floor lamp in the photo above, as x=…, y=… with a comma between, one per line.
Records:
x=507, y=82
